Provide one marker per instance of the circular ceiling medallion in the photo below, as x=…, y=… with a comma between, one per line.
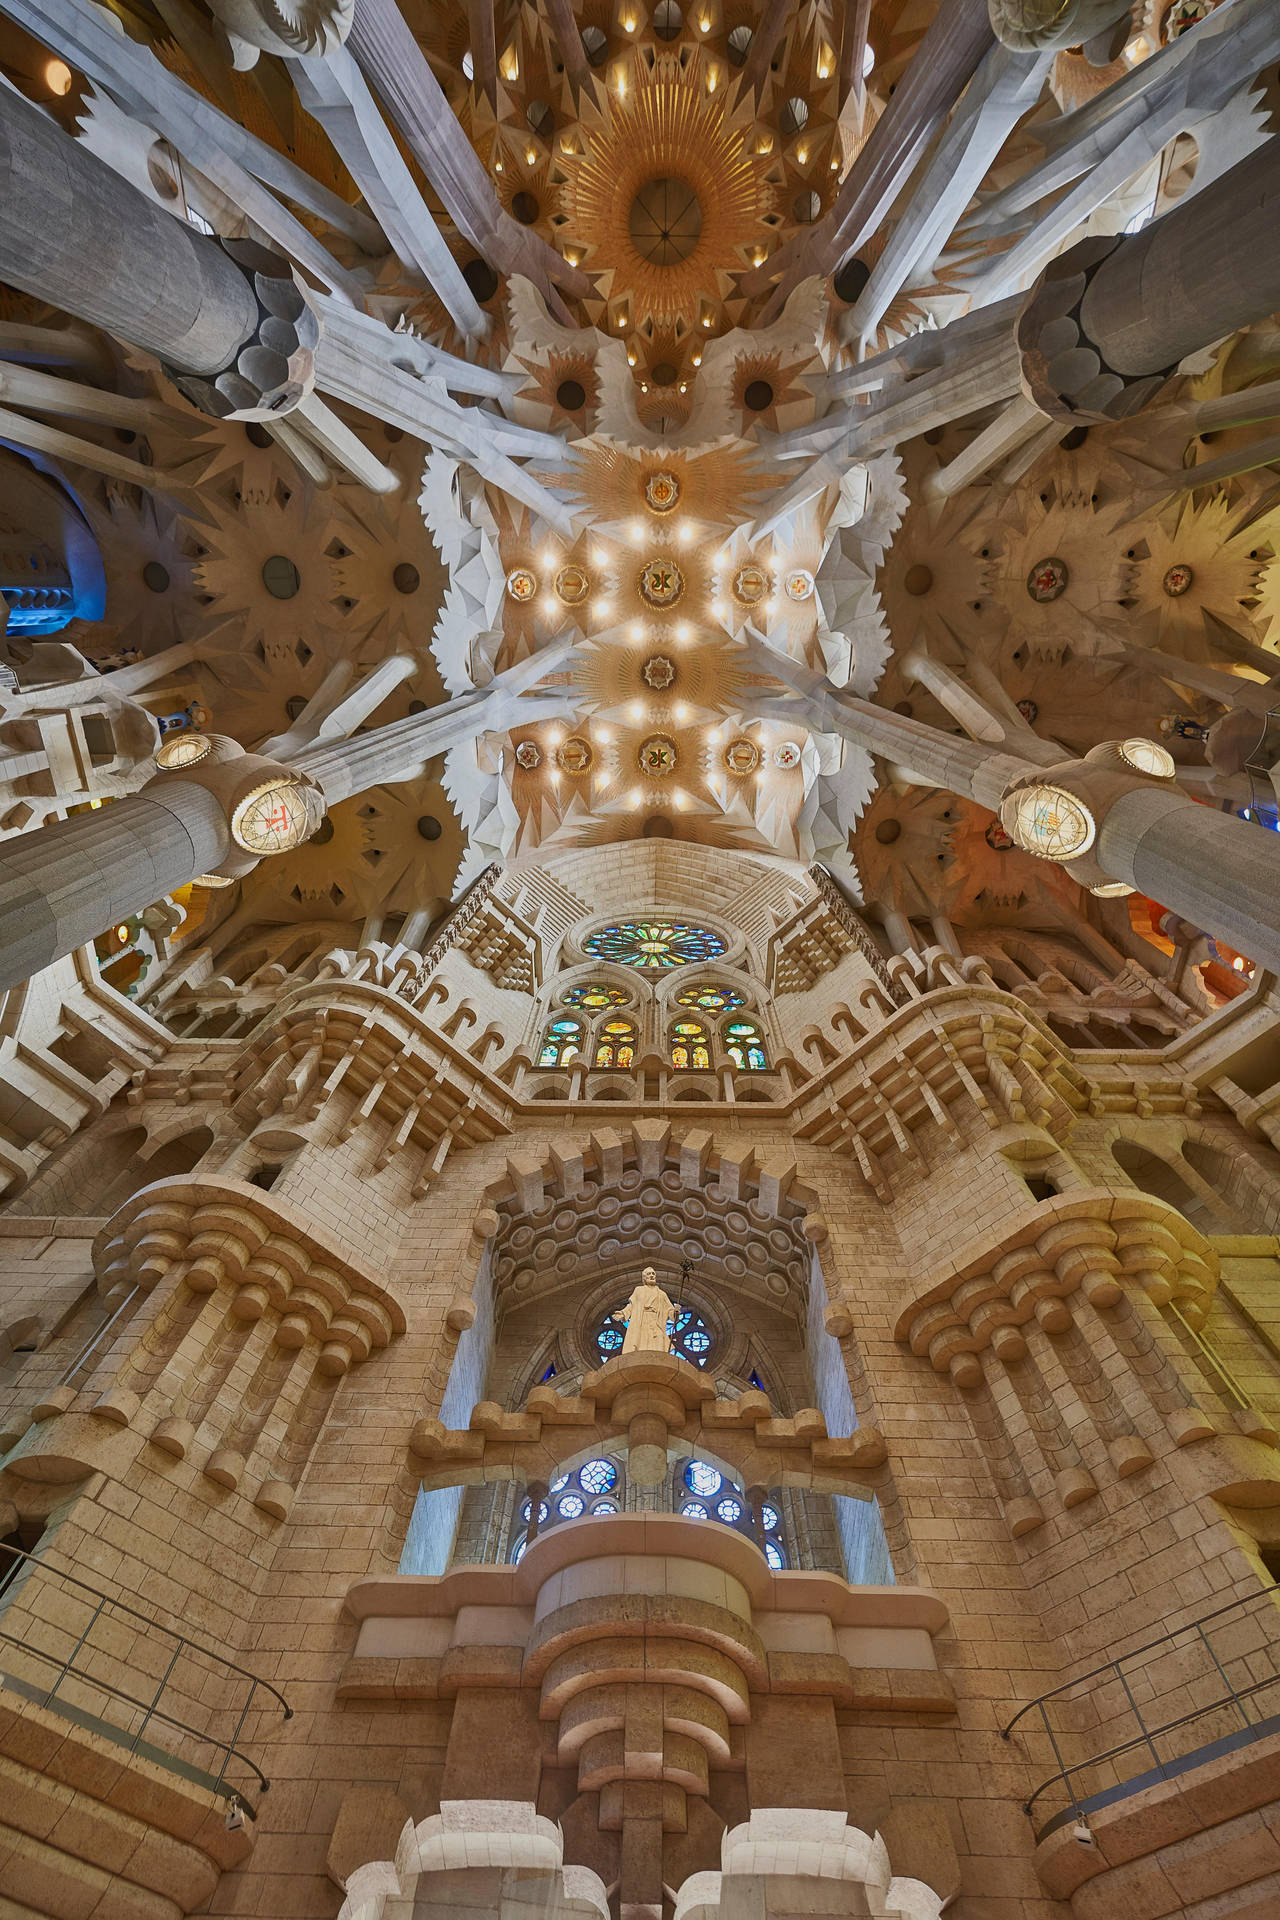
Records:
x=661, y=583
x=522, y=584
x=658, y=672
x=786, y=756
x=1049, y=821
x=528, y=755
x=665, y=221
x=661, y=491
x=742, y=756
x=657, y=755
x=572, y=584
x=1177, y=580
x=276, y=816
x=750, y=584
x=1147, y=756
x=1048, y=579
x=183, y=750
x=797, y=584
x=575, y=756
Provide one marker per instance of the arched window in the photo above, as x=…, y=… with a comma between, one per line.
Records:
x=562, y=1044
x=616, y=1045
x=744, y=1041
x=595, y=996
x=653, y=945
x=711, y=1495
x=711, y=998
x=592, y=1489
x=690, y=1046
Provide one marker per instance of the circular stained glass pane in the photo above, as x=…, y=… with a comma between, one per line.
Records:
x=730, y=1511
x=571, y=1506
x=599, y=1476
x=518, y=1555
x=527, y=1509
x=694, y=1510
x=654, y=944
x=771, y=1519
x=775, y=1556
x=605, y=1506
x=594, y=995
x=701, y=1477
x=610, y=1339
x=563, y=1481
x=697, y=1341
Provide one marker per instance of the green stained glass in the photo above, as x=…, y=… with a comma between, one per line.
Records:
x=712, y=999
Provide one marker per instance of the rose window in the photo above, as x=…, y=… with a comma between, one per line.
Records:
x=654, y=944
x=688, y=1332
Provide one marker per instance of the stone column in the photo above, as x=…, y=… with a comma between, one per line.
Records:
x=74, y=233
x=1112, y=318
x=77, y=235
x=536, y=1492
x=64, y=885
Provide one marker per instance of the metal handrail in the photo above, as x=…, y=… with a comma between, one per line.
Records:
x=1147, y=1736
x=11, y=1559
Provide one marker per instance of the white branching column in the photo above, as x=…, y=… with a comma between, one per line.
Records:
x=1211, y=868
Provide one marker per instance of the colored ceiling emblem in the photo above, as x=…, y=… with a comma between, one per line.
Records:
x=572, y=584
x=1183, y=14
x=528, y=755
x=1047, y=580
x=750, y=585
x=661, y=491
x=276, y=816
x=742, y=755
x=653, y=944
x=661, y=583
x=575, y=756
x=797, y=584
x=1049, y=821
x=522, y=584
x=787, y=755
x=657, y=755
x=1177, y=580
x=658, y=672
x=1030, y=710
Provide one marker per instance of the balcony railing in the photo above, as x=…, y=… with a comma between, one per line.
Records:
x=1201, y=1690
x=80, y=1653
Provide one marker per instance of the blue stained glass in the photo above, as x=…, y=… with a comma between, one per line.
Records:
x=730, y=1511
x=654, y=944
x=571, y=1506
x=770, y=1517
x=693, y=1510
x=556, y=1485
x=775, y=1556
x=550, y=1374
x=605, y=1506
x=610, y=1339
x=701, y=1477
x=599, y=1476
x=697, y=1341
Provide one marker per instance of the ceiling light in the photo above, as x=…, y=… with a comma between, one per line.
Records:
x=604, y=608
x=531, y=157
x=868, y=59
x=803, y=155
x=717, y=609
x=684, y=631
x=631, y=359
x=497, y=166
x=635, y=712
x=598, y=557
x=636, y=796
x=57, y=77
x=697, y=359
x=824, y=71
x=629, y=24
x=636, y=530
x=637, y=631
x=835, y=163
x=684, y=534
x=605, y=736
x=681, y=711
x=704, y=25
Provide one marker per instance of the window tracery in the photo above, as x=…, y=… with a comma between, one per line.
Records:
x=594, y=995
x=688, y=1332
x=653, y=944
x=711, y=997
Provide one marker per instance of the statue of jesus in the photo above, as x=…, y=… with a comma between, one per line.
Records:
x=646, y=1316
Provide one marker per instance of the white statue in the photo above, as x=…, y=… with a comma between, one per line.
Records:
x=646, y=1316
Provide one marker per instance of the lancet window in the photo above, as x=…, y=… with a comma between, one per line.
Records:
x=562, y=1044
x=744, y=1043
x=616, y=1044
x=690, y=1045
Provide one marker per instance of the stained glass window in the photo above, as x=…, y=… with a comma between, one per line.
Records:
x=744, y=1041
x=571, y=1506
x=712, y=1496
x=586, y=1491
x=690, y=1046
x=711, y=999
x=594, y=995
x=598, y=1476
x=654, y=944
x=616, y=1046
x=562, y=1044
x=688, y=1332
